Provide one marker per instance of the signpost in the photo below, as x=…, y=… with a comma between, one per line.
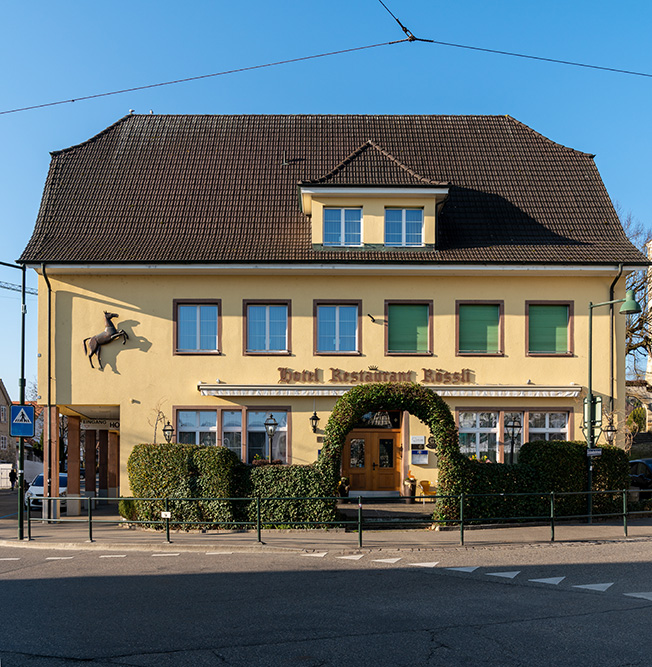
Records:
x=22, y=421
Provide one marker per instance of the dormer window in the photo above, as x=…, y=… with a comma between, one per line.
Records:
x=342, y=226
x=403, y=227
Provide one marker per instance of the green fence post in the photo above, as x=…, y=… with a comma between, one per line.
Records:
x=90, y=520
x=359, y=522
x=260, y=539
x=167, y=521
x=462, y=518
x=29, y=520
x=625, y=511
x=552, y=516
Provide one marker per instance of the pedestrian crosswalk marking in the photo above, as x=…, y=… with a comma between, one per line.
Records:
x=59, y=558
x=463, y=569
x=114, y=556
x=644, y=596
x=219, y=553
x=358, y=557
x=387, y=560
x=505, y=575
x=595, y=587
x=552, y=580
x=321, y=554
x=426, y=564
x=165, y=554
x=9, y=558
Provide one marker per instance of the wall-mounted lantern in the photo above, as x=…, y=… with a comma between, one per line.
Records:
x=314, y=421
x=168, y=432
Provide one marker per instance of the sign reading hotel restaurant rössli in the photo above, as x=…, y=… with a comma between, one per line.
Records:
x=429, y=376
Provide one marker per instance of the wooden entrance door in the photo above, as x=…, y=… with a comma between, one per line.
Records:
x=371, y=460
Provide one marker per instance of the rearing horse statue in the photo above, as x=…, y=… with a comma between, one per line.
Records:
x=110, y=333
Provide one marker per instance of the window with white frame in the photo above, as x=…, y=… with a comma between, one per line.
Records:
x=232, y=431
x=479, y=435
x=403, y=227
x=547, y=426
x=343, y=226
x=3, y=442
x=197, y=427
x=508, y=418
x=257, y=440
x=267, y=328
x=197, y=327
x=337, y=328
x=3, y=413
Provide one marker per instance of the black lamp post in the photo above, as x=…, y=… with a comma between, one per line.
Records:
x=270, y=426
x=314, y=421
x=513, y=427
x=630, y=307
x=168, y=432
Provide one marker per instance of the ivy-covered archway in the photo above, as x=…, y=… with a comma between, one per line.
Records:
x=414, y=398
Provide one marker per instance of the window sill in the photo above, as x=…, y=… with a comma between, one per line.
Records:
x=549, y=354
x=355, y=353
x=408, y=354
x=201, y=353
x=267, y=353
x=479, y=354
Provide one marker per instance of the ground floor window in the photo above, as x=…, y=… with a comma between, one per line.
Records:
x=197, y=427
x=232, y=431
x=487, y=436
x=257, y=440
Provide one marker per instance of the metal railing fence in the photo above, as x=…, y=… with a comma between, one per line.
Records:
x=462, y=502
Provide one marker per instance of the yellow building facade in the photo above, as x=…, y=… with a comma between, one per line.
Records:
x=270, y=283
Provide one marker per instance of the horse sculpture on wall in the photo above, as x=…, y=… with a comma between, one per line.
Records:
x=110, y=333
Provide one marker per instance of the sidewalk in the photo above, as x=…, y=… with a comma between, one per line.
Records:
x=112, y=534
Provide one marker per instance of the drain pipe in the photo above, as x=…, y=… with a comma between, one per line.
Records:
x=611, y=338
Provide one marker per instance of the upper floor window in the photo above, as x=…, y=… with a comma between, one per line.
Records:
x=337, y=328
x=549, y=328
x=3, y=413
x=403, y=227
x=267, y=327
x=409, y=328
x=343, y=226
x=479, y=328
x=197, y=326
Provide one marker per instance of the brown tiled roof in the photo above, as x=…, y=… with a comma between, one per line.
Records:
x=224, y=189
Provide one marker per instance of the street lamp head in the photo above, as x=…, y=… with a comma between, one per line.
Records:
x=271, y=425
x=609, y=432
x=168, y=432
x=314, y=421
x=630, y=306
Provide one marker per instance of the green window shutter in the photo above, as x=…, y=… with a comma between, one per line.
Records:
x=548, y=329
x=408, y=328
x=479, y=328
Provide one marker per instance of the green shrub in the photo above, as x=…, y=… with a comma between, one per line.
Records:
x=127, y=509
x=638, y=416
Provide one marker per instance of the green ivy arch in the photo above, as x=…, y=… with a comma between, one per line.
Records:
x=414, y=398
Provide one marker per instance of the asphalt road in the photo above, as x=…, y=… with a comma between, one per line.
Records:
x=377, y=608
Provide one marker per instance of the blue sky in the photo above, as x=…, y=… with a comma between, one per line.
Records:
x=55, y=51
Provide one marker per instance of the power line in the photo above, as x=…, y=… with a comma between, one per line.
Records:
x=202, y=76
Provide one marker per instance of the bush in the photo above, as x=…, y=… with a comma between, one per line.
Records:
x=638, y=416
x=127, y=509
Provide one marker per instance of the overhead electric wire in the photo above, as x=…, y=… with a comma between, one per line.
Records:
x=202, y=76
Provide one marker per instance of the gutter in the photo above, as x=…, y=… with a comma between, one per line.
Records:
x=47, y=491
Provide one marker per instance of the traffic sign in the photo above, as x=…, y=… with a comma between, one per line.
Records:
x=594, y=451
x=22, y=421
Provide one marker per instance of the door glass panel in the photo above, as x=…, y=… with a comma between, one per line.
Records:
x=386, y=452
x=357, y=453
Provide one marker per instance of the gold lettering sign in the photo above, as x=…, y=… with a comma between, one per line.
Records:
x=340, y=376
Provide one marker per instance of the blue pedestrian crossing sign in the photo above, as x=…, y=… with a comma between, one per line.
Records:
x=22, y=421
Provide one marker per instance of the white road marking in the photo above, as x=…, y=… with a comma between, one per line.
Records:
x=165, y=554
x=358, y=557
x=387, y=560
x=425, y=564
x=463, y=569
x=59, y=558
x=9, y=558
x=595, y=587
x=553, y=581
x=645, y=596
x=321, y=554
x=114, y=556
x=219, y=553
x=505, y=575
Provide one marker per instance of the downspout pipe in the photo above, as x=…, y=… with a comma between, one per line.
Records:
x=611, y=337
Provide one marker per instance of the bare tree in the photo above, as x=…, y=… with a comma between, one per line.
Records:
x=638, y=331
x=159, y=417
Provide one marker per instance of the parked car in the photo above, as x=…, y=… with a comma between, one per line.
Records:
x=640, y=475
x=34, y=495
